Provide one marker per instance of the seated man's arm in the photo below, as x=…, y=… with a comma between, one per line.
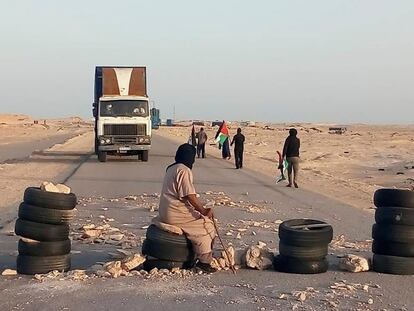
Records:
x=195, y=202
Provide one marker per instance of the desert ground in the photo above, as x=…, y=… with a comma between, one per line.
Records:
x=347, y=167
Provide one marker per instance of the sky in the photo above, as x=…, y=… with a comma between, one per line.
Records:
x=348, y=61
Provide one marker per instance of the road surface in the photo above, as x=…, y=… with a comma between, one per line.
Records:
x=248, y=290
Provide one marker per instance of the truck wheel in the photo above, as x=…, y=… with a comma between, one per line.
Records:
x=145, y=155
x=102, y=156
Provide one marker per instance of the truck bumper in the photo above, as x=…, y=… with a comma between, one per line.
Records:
x=124, y=148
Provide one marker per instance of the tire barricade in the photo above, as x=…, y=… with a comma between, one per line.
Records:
x=165, y=250
x=393, y=232
x=43, y=226
x=303, y=246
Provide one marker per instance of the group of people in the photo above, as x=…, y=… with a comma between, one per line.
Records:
x=237, y=141
x=179, y=205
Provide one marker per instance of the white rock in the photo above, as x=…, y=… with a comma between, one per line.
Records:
x=132, y=262
x=49, y=187
x=9, y=272
x=258, y=258
x=354, y=263
x=63, y=188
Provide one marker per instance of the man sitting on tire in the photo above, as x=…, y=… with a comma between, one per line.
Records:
x=180, y=207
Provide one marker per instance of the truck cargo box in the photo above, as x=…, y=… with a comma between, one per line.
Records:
x=119, y=81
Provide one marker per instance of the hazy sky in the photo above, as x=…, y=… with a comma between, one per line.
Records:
x=310, y=60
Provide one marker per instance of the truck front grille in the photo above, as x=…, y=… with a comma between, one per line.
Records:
x=125, y=129
x=125, y=140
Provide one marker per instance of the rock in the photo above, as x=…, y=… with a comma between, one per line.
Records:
x=221, y=262
x=114, y=268
x=131, y=198
x=370, y=301
x=261, y=244
x=49, y=187
x=258, y=258
x=175, y=270
x=238, y=236
x=63, y=188
x=353, y=263
x=117, y=237
x=9, y=272
x=132, y=262
x=91, y=233
x=153, y=271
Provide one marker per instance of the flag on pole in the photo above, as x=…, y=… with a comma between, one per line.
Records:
x=222, y=133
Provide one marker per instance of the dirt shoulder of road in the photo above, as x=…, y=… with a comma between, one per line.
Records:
x=46, y=165
x=347, y=167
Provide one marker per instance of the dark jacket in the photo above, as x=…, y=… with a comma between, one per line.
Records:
x=291, y=147
x=238, y=141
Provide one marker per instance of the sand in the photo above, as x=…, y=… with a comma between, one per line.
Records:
x=348, y=167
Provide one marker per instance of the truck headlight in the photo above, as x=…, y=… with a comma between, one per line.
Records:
x=107, y=141
x=141, y=140
x=102, y=141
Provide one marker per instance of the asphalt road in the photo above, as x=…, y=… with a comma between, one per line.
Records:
x=18, y=151
x=248, y=290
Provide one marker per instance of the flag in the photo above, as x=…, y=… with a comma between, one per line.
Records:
x=283, y=166
x=193, y=137
x=222, y=133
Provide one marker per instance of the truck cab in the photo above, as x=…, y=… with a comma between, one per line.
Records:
x=121, y=111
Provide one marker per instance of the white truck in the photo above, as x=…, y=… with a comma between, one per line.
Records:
x=121, y=111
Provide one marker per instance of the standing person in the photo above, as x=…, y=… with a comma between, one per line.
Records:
x=291, y=152
x=222, y=137
x=201, y=143
x=238, y=141
x=179, y=206
x=226, y=150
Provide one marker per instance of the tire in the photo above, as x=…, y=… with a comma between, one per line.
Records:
x=150, y=264
x=393, y=248
x=54, y=200
x=394, y=197
x=395, y=216
x=35, y=265
x=36, y=248
x=299, y=266
x=393, y=264
x=41, y=232
x=45, y=215
x=301, y=237
x=393, y=233
x=145, y=156
x=101, y=156
x=301, y=252
x=167, y=246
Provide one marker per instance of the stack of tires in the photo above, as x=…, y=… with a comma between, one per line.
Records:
x=165, y=250
x=393, y=232
x=303, y=246
x=43, y=224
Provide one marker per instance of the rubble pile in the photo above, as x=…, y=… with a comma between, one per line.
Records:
x=146, y=201
x=339, y=295
x=215, y=199
x=106, y=234
x=339, y=242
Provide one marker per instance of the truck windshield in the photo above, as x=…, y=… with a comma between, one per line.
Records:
x=124, y=108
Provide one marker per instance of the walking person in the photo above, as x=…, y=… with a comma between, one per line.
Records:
x=201, y=143
x=291, y=152
x=238, y=141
